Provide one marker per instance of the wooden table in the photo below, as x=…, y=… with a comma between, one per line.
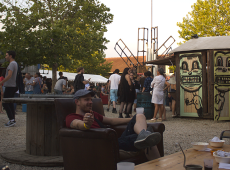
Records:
x=176, y=160
x=42, y=138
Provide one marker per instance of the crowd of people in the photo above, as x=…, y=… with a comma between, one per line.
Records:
x=119, y=89
x=124, y=89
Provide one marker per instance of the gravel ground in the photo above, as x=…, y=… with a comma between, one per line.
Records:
x=183, y=130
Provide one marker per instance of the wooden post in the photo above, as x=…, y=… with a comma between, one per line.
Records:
x=177, y=59
x=204, y=84
x=210, y=75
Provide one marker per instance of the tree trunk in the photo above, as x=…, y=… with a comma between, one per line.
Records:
x=54, y=75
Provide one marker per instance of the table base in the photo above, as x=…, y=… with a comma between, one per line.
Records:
x=22, y=158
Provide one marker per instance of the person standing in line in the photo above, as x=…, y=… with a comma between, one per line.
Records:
x=136, y=84
x=79, y=82
x=37, y=83
x=28, y=81
x=114, y=81
x=148, y=80
x=2, y=89
x=60, y=85
x=10, y=86
x=158, y=93
x=127, y=93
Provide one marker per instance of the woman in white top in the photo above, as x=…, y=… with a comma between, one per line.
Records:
x=158, y=84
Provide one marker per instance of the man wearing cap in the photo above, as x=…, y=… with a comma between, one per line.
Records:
x=136, y=136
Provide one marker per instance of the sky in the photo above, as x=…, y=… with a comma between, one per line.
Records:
x=129, y=15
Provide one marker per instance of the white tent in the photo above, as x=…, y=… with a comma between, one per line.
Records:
x=71, y=76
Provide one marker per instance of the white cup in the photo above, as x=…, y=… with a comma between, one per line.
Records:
x=125, y=166
x=140, y=110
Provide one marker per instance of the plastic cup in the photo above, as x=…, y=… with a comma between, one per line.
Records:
x=140, y=110
x=208, y=164
x=125, y=166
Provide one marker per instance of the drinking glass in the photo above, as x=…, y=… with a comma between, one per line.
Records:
x=140, y=110
x=208, y=164
x=125, y=166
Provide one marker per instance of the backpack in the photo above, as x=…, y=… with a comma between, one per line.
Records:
x=19, y=81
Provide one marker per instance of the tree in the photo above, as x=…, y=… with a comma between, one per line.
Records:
x=102, y=67
x=55, y=32
x=207, y=18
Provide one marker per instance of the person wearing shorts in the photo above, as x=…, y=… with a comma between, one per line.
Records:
x=114, y=81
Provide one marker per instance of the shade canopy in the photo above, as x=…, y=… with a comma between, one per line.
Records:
x=204, y=43
x=71, y=76
x=163, y=61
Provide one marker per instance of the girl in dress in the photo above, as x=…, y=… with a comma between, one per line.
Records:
x=158, y=84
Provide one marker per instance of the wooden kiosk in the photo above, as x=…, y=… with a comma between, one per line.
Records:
x=202, y=77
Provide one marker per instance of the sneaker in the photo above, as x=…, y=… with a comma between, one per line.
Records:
x=147, y=139
x=114, y=110
x=10, y=123
x=150, y=129
x=107, y=109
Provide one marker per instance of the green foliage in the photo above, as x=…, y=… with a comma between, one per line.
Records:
x=56, y=32
x=207, y=18
x=94, y=66
x=173, y=68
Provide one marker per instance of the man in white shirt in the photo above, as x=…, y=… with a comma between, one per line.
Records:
x=60, y=84
x=28, y=80
x=114, y=81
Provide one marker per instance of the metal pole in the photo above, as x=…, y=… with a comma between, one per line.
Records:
x=151, y=13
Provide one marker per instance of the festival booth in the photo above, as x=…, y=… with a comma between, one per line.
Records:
x=202, y=77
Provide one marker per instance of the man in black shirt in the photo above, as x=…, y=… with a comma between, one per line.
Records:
x=79, y=82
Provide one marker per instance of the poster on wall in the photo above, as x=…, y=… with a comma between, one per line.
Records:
x=221, y=85
x=191, y=85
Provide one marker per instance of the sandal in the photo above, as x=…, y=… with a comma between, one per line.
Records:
x=159, y=119
x=154, y=119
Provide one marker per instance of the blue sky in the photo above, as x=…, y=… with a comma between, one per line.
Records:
x=129, y=15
